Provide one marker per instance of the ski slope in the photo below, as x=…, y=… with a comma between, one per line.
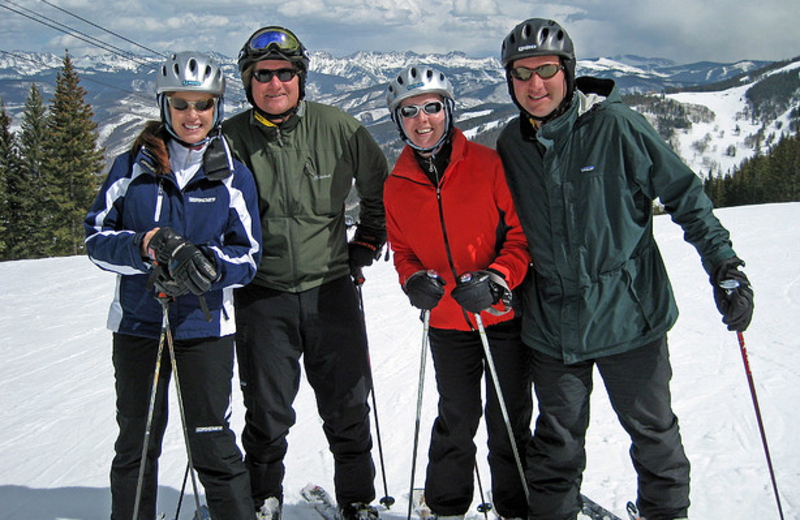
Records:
x=57, y=401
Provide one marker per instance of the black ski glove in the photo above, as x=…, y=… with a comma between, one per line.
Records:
x=733, y=294
x=187, y=265
x=165, y=284
x=424, y=289
x=479, y=290
x=365, y=247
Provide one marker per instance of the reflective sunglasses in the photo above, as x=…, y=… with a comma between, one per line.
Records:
x=546, y=71
x=181, y=104
x=266, y=75
x=432, y=107
x=273, y=37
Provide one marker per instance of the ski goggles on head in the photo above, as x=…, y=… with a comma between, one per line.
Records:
x=430, y=108
x=274, y=37
x=545, y=71
x=180, y=104
x=266, y=75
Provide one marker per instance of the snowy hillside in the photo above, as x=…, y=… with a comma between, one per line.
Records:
x=57, y=413
x=706, y=145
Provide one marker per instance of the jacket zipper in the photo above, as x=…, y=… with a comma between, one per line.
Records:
x=432, y=169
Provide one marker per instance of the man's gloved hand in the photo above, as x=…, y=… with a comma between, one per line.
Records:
x=733, y=294
x=365, y=247
x=187, y=265
x=424, y=289
x=479, y=290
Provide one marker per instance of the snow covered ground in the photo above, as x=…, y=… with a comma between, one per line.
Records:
x=57, y=401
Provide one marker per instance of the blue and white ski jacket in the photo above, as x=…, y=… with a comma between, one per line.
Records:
x=220, y=216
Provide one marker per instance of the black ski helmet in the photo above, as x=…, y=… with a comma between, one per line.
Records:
x=272, y=43
x=540, y=37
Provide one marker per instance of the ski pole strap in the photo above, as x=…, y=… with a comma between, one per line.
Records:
x=505, y=299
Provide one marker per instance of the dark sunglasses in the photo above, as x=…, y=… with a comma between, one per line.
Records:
x=180, y=104
x=266, y=75
x=432, y=107
x=273, y=37
x=545, y=72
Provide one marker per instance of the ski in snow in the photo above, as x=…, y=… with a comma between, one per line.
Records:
x=590, y=508
x=203, y=514
x=595, y=511
x=321, y=501
x=420, y=506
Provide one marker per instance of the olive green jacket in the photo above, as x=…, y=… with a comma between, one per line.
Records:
x=583, y=186
x=304, y=171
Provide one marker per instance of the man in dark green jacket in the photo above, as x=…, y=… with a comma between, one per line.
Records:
x=305, y=157
x=584, y=171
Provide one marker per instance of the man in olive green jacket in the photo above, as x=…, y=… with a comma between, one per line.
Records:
x=305, y=157
x=584, y=170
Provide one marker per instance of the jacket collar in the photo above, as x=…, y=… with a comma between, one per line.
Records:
x=259, y=120
x=408, y=167
x=589, y=94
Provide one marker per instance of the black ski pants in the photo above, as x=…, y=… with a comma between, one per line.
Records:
x=324, y=326
x=460, y=364
x=637, y=383
x=205, y=370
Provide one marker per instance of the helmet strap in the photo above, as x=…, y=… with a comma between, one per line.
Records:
x=216, y=125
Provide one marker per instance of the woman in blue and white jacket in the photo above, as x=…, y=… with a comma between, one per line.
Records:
x=177, y=215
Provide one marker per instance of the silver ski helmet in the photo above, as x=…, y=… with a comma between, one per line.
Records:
x=413, y=81
x=190, y=72
x=539, y=37
x=272, y=43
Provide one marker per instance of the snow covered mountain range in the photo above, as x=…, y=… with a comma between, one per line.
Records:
x=720, y=136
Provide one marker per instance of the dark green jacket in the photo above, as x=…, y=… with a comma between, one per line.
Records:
x=304, y=172
x=583, y=187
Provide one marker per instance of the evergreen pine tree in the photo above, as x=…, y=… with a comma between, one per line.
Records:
x=32, y=237
x=72, y=161
x=9, y=164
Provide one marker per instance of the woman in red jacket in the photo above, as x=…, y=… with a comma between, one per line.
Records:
x=459, y=250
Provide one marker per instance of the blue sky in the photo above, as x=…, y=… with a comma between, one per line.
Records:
x=681, y=30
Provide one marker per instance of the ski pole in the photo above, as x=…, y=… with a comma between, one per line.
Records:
x=760, y=421
x=183, y=491
x=484, y=507
x=425, y=327
x=387, y=500
x=502, y=402
x=728, y=286
x=149, y=422
x=199, y=514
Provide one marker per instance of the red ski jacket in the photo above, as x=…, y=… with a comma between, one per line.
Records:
x=467, y=223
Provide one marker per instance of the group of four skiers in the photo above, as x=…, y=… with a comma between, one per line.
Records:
x=240, y=231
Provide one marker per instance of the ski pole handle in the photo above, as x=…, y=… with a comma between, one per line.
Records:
x=729, y=285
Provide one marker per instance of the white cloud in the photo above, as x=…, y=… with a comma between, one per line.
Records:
x=682, y=30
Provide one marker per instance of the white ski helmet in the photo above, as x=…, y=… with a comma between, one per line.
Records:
x=413, y=81
x=190, y=72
